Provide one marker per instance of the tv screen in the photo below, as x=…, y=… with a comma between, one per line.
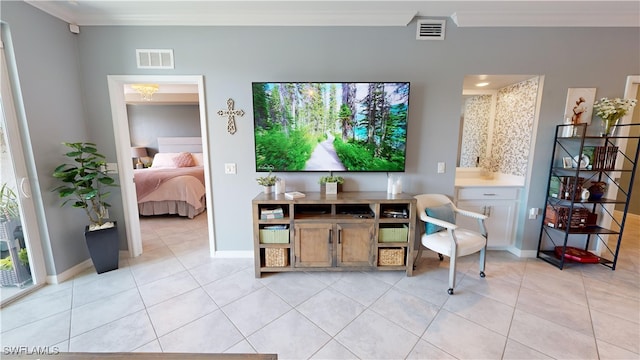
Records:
x=303, y=126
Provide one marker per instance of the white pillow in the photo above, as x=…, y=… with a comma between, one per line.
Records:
x=197, y=158
x=164, y=160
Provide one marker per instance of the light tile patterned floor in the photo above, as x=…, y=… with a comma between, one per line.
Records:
x=175, y=298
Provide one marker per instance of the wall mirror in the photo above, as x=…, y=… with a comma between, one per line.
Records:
x=498, y=114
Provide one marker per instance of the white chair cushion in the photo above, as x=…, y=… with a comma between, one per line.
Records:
x=469, y=242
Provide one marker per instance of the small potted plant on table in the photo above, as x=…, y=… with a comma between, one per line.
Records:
x=267, y=182
x=85, y=186
x=331, y=180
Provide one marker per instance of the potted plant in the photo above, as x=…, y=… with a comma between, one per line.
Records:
x=15, y=274
x=331, y=179
x=10, y=273
x=85, y=186
x=267, y=182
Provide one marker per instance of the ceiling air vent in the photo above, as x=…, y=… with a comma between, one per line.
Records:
x=155, y=58
x=430, y=29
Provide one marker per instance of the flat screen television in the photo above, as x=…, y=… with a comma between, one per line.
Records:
x=322, y=126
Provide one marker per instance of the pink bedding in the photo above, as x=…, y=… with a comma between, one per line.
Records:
x=149, y=180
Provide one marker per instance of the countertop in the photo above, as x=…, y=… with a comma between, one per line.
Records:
x=473, y=177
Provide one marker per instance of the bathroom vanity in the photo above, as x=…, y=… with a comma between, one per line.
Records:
x=494, y=195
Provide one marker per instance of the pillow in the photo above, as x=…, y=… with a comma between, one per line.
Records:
x=184, y=159
x=197, y=159
x=163, y=160
x=441, y=212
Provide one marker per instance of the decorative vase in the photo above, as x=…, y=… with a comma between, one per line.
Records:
x=267, y=189
x=104, y=247
x=609, y=127
x=323, y=188
x=597, y=190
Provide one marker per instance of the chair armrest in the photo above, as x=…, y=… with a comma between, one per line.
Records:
x=472, y=214
x=438, y=222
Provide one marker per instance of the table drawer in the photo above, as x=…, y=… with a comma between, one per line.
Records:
x=488, y=193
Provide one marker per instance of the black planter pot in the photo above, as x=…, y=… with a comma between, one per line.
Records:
x=104, y=247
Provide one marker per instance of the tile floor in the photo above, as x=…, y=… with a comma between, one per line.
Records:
x=175, y=298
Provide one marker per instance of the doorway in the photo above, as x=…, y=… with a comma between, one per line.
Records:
x=123, y=151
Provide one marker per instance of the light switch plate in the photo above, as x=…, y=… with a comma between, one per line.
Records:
x=230, y=168
x=441, y=168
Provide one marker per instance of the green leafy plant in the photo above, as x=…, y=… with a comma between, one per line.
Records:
x=7, y=264
x=8, y=203
x=331, y=179
x=269, y=180
x=85, y=181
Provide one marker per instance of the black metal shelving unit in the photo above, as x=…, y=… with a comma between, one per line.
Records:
x=587, y=224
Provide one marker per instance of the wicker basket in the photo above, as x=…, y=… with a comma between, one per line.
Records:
x=391, y=256
x=276, y=257
x=268, y=236
x=393, y=234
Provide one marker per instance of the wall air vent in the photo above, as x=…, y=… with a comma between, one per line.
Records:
x=154, y=58
x=429, y=29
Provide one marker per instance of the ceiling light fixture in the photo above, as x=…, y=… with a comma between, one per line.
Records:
x=146, y=90
x=482, y=84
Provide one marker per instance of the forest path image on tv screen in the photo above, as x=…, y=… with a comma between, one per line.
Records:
x=354, y=126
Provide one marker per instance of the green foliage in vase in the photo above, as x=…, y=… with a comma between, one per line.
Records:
x=85, y=181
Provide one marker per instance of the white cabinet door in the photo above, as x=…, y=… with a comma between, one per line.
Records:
x=499, y=204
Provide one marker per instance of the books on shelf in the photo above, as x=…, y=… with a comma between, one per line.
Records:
x=275, y=213
x=604, y=157
x=294, y=195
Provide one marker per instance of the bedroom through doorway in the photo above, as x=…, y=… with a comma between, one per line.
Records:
x=166, y=136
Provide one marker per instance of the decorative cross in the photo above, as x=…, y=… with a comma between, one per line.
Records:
x=231, y=113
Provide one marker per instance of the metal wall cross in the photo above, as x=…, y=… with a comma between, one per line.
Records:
x=231, y=113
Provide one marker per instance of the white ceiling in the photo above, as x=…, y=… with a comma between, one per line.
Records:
x=472, y=13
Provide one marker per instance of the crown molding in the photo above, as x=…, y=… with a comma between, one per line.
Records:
x=546, y=19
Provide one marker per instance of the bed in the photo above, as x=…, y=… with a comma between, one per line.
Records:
x=174, y=184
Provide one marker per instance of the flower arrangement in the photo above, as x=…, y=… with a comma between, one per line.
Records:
x=613, y=109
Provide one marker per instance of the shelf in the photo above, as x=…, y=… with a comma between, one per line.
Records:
x=616, y=166
x=550, y=257
x=586, y=230
x=583, y=202
x=335, y=233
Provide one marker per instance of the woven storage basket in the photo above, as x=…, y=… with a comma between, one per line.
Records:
x=276, y=257
x=390, y=256
x=268, y=236
x=393, y=234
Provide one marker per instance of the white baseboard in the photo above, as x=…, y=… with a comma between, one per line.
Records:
x=247, y=254
x=523, y=253
x=69, y=273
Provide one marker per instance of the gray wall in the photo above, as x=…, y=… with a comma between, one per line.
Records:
x=148, y=122
x=230, y=58
x=47, y=65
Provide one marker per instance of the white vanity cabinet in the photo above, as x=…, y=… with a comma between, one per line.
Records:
x=500, y=204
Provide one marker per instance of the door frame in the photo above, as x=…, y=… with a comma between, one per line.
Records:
x=28, y=215
x=123, y=151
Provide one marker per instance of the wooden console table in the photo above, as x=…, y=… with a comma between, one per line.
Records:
x=372, y=231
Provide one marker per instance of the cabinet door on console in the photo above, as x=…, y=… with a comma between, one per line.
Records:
x=313, y=245
x=355, y=244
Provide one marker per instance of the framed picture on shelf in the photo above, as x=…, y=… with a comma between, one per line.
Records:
x=567, y=162
x=588, y=151
x=579, y=106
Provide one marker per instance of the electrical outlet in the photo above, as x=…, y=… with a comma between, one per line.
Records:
x=441, y=168
x=533, y=213
x=230, y=168
x=112, y=168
